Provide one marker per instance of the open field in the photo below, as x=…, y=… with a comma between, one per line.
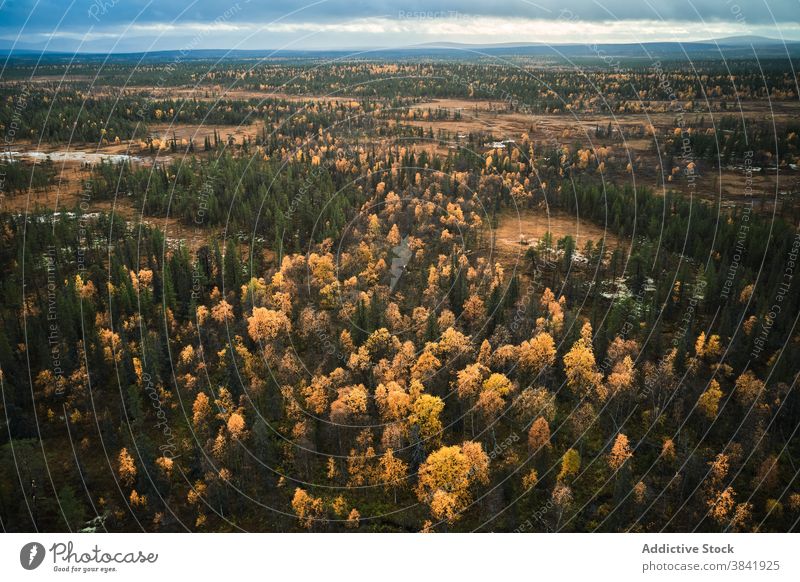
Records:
x=518, y=230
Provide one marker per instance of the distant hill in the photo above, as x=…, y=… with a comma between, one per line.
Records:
x=735, y=47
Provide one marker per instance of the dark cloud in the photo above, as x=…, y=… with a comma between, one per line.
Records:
x=48, y=13
x=42, y=17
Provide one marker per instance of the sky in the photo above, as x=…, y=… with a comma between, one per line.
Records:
x=150, y=25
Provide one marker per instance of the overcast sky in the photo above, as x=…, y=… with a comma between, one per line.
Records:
x=140, y=25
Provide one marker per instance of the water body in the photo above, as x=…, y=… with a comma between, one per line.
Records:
x=71, y=156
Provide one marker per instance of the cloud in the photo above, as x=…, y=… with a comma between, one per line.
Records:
x=332, y=23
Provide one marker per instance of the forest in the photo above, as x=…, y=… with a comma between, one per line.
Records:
x=289, y=305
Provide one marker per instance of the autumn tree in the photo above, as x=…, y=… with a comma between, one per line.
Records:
x=317, y=394
x=620, y=452
x=426, y=365
x=580, y=367
x=353, y=519
x=534, y=402
x=537, y=354
x=530, y=479
x=748, y=388
x=708, y=403
x=266, y=324
x=201, y=411
x=491, y=399
x=721, y=504
x=350, y=405
x=362, y=464
x=393, y=472
x=222, y=312
x=446, y=477
x=554, y=320
x=394, y=401
x=668, y=450
x=126, y=467
x=236, y=426
x=425, y=419
x=620, y=380
x=709, y=347
x=539, y=435
x=562, y=498
x=474, y=311
x=307, y=508
x=470, y=380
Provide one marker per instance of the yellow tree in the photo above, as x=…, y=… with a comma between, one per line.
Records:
x=748, y=388
x=581, y=369
x=361, y=467
x=316, y=394
x=307, y=508
x=497, y=383
x=468, y=386
x=451, y=344
x=351, y=404
x=474, y=311
x=555, y=310
x=266, y=324
x=381, y=344
x=620, y=381
x=539, y=435
x=201, y=411
x=530, y=479
x=393, y=472
x=127, y=467
x=478, y=461
x=708, y=403
x=707, y=348
x=721, y=505
x=426, y=365
x=570, y=465
x=469, y=381
x=353, y=518
x=393, y=401
x=742, y=516
x=492, y=397
x=425, y=418
x=668, y=450
x=222, y=312
x=620, y=452
x=236, y=426
x=537, y=354
x=446, y=476
x=393, y=238
x=331, y=470
x=718, y=469
x=322, y=269
x=485, y=353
